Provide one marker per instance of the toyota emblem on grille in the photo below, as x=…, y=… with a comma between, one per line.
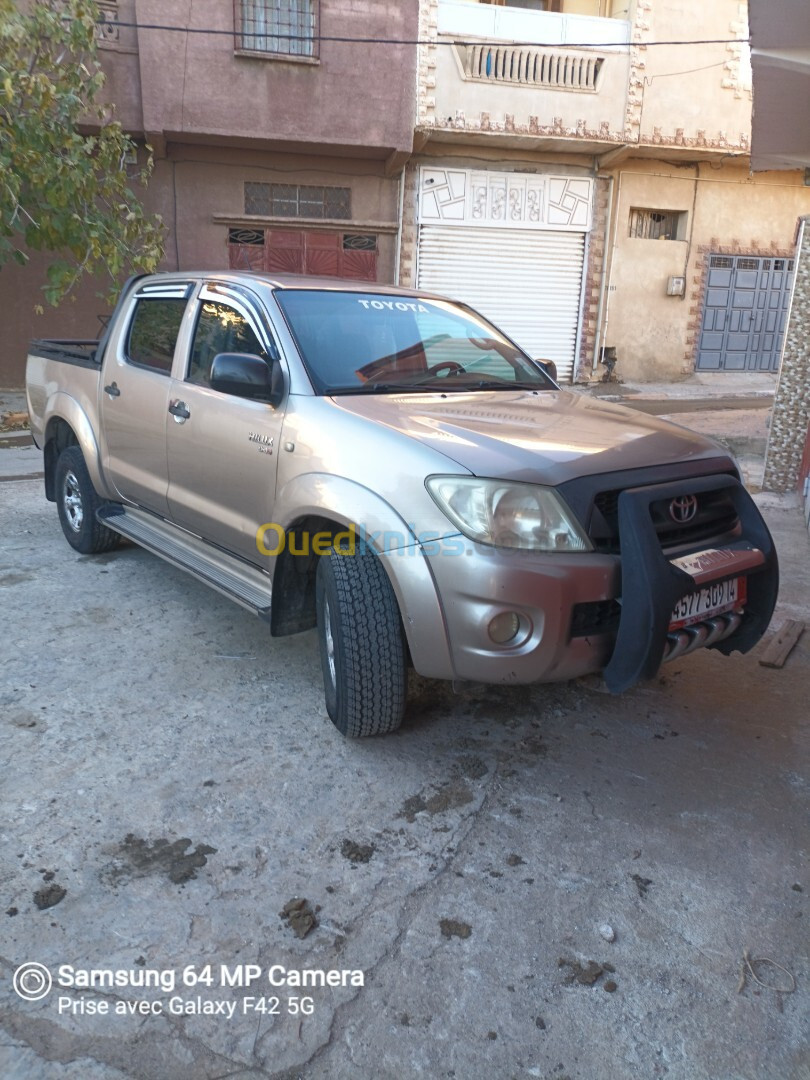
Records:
x=683, y=508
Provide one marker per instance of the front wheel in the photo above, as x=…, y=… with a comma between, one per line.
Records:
x=77, y=502
x=363, y=654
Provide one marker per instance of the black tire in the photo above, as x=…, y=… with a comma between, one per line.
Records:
x=77, y=502
x=363, y=652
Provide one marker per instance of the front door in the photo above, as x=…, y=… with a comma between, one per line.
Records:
x=744, y=313
x=222, y=457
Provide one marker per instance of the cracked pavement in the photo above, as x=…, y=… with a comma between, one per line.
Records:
x=172, y=768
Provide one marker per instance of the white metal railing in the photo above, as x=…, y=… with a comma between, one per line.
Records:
x=490, y=22
x=526, y=66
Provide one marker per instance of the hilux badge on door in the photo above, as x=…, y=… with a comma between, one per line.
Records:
x=683, y=508
x=265, y=441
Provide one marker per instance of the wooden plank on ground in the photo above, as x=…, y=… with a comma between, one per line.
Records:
x=781, y=644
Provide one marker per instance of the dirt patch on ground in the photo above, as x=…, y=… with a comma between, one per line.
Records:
x=454, y=928
x=7, y=580
x=587, y=974
x=161, y=857
x=299, y=915
x=450, y=797
x=472, y=767
x=641, y=883
x=49, y=896
x=356, y=853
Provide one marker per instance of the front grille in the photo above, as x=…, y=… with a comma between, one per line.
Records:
x=595, y=617
x=716, y=517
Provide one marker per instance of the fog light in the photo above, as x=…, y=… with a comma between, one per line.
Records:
x=504, y=627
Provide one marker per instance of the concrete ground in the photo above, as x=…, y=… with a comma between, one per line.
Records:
x=732, y=407
x=535, y=882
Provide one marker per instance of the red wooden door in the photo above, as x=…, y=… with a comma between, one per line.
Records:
x=304, y=251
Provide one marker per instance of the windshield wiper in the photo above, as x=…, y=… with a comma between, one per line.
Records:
x=372, y=388
x=499, y=384
x=439, y=386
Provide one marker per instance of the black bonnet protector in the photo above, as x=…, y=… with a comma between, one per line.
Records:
x=652, y=585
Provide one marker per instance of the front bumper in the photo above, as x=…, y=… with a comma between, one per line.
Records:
x=652, y=584
x=545, y=588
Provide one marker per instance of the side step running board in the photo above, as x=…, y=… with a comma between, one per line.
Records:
x=235, y=579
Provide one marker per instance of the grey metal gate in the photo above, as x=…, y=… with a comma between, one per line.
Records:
x=744, y=313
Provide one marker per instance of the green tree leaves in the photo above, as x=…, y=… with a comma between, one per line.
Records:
x=67, y=184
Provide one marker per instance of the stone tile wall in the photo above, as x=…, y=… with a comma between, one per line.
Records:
x=791, y=409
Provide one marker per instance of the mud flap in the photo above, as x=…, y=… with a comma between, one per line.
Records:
x=651, y=585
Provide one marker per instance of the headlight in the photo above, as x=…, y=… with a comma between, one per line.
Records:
x=508, y=515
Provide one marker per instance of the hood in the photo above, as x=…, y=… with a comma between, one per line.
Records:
x=544, y=437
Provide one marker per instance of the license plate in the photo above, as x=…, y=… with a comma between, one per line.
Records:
x=714, y=599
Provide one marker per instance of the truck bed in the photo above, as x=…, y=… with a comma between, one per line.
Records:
x=43, y=379
x=81, y=351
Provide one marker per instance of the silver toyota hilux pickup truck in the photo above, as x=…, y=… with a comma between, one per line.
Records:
x=388, y=466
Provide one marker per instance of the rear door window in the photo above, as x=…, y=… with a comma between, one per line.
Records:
x=153, y=332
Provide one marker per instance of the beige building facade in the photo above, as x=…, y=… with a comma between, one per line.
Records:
x=577, y=169
x=628, y=123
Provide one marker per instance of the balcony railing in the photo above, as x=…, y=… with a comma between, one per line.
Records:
x=522, y=65
x=464, y=21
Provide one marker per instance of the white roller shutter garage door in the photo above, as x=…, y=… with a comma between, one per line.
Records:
x=529, y=283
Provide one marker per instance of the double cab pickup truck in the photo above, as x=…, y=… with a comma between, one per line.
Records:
x=389, y=467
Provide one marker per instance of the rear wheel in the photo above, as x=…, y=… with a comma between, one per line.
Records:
x=77, y=502
x=363, y=653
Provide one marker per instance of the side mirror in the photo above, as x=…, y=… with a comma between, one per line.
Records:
x=248, y=376
x=549, y=367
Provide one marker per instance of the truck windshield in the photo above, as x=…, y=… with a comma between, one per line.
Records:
x=365, y=342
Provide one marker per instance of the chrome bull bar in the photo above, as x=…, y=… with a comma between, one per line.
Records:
x=700, y=635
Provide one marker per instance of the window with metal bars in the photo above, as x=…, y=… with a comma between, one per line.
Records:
x=280, y=27
x=298, y=201
x=657, y=224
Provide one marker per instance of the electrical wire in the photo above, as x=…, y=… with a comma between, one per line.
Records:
x=346, y=40
x=650, y=79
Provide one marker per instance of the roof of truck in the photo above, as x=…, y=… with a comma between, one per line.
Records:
x=296, y=281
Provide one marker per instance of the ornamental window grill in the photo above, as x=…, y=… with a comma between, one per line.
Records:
x=356, y=242
x=253, y=237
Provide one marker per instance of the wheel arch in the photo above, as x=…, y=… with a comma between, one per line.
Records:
x=333, y=505
x=67, y=424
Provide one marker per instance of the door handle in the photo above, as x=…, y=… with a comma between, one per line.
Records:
x=179, y=411
x=112, y=390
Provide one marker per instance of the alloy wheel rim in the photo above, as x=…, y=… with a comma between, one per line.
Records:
x=72, y=501
x=329, y=641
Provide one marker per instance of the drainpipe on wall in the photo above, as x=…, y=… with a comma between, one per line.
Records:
x=398, y=251
x=599, y=344
x=604, y=282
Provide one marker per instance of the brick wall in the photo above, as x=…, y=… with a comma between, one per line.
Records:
x=791, y=409
x=409, y=231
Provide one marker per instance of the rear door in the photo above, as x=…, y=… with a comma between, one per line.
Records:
x=136, y=384
x=222, y=457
